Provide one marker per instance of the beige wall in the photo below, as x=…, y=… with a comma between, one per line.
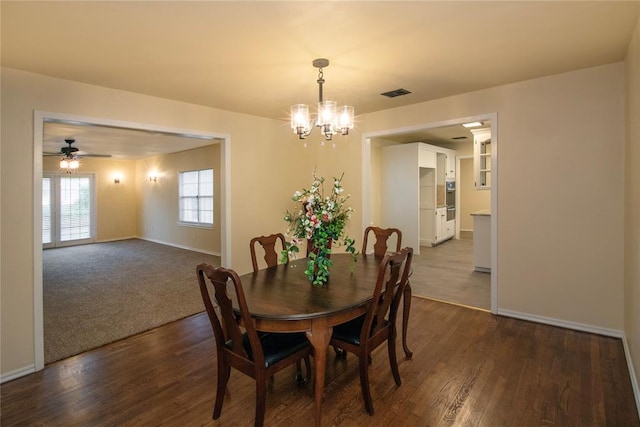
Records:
x=116, y=204
x=261, y=151
x=561, y=144
x=560, y=190
x=158, y=212
x=632, y=208
x=471, y=200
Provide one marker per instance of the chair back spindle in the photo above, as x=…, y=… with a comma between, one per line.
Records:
x=382, y=235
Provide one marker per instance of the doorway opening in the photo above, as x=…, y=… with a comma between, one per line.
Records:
x=371, y=167
x=40, y=119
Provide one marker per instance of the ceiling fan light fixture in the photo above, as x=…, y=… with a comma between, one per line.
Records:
x=69, y=164
x=330, y=118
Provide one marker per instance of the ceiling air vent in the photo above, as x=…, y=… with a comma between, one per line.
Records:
x=394, y=93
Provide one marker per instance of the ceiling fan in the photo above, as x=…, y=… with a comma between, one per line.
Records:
x=70, y=155
x=71, y=152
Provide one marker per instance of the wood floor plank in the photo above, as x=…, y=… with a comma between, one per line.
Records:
x=469, y=368
x=445, y=272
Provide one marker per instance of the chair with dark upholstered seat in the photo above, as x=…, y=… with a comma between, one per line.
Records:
x=380, y=248
x=268, y=243
x=365, y=333
x=256, y=355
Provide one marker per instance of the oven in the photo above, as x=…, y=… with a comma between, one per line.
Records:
x=451, y=213
x=450, y=200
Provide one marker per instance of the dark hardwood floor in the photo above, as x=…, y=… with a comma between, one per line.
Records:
x=445, y=272
x=469, y=368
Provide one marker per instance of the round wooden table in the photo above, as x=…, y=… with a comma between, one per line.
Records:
x=282, y=299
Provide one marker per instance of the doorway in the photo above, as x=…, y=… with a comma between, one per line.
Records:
x=40, y=118
x=68, y=213
x=371, y=178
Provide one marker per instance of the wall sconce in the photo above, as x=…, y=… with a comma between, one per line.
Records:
x=116, y=180
x=153, y=178
x=117, y=177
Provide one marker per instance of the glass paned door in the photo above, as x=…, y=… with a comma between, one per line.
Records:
x=75, y=208
x=67, y=210
x=47, y=228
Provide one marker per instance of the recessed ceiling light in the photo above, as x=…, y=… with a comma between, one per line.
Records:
x=472, y=124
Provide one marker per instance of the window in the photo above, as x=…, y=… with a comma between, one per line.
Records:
x=67, y=210
x=196, y=197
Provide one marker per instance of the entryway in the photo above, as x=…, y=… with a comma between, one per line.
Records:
x=445, y=271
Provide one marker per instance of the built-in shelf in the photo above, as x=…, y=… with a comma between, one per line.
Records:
x=482, y=158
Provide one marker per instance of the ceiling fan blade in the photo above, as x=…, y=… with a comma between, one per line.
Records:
x=94, y=155
x=52, y=154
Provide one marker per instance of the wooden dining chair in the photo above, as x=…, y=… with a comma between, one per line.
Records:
x=382, y=235
x=380, y=248
x=258, y=356
x=268, y=243
x=364, y=334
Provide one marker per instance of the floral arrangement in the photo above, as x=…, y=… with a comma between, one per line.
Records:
x=321, y=221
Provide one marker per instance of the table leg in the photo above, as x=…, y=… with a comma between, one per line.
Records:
x=406, y=296
x=319, y=337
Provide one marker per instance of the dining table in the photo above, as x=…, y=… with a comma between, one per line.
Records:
x=283, y=299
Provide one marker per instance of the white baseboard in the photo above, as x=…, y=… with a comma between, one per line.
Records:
x=180, y=246
x=632, y=373
x=17, y=373
x=116, y=240
x=562, y=323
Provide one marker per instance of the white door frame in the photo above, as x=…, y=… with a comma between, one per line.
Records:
x=39, y=118
x=367, y=197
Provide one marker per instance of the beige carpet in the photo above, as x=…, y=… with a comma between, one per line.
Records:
x=99, y=293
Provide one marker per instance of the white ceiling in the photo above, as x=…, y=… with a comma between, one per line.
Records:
x=255, y=57
x=120, y=143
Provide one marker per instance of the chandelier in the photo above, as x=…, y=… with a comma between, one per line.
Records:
x=330, y=119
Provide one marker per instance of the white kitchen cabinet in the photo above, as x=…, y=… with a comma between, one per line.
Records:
x=445, y=230
x=412, y=175
x=482, y=241
x=441, y=225
x=482, y=158
x=450, y=172
x=426, y=158
x=450, y=229
x=400, y=192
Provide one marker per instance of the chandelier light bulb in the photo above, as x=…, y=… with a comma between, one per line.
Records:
x=346, y=118
x=300, y=117
x=326, y=113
